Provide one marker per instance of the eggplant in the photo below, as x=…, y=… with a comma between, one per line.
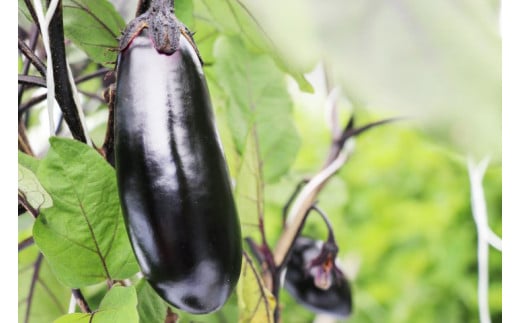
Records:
x=315, y=281
x=173, y=180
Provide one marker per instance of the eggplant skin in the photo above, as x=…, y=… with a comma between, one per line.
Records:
x=173, y=179
x=336, y=300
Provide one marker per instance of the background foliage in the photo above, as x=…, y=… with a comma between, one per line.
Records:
x=401, y=205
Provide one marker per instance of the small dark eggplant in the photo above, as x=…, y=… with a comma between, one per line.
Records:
x=173, y=180
x=315, y=281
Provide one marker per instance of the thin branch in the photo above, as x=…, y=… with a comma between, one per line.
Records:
x=30, y=103
x=32, y=80
x=302, y=204
x=33, y=40
x=35, y=60
x=23, y=142
x=30, y=7
x=37, y=99
x=348, y=132
x=93, y=96
x=87, y=77
x=25, y=243
x=80, y=300
x=327, y=222
x=22, y=200
x=108, y=145
x=44, y=31
x=478, y=207
x=32, y=286
x=297, y=190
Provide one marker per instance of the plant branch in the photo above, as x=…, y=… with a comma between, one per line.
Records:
x=287, y=205
x=107, y=150
x=302, y=204
x=327, y=222
x=100, y=72
x=23, y=142
x=32, y=286
x=37, y=99
x=30, y=7
x=31, y=56
x=478, y=207
x=80, y=300
x=32, y=80
x=33, y=39
x=22, y=200
x=30, y=103
x=25, y=243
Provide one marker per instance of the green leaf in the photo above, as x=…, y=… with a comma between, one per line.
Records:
x=249, y=188
x=234, y=18
x=24, y=17
x=94, y=27
x=49, y=298
x=151, y=307
x=258, y=97
x=28, y=162
x=83, y=235
x=31, y=189
x=118, y=306
x=255, y=302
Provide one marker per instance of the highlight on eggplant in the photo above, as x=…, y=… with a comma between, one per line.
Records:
x=314, y=280
x=173, y=179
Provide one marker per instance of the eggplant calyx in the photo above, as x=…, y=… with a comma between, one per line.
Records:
x=164, y=28
x=323, y=267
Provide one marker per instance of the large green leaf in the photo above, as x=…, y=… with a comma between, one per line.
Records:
x=257, y=97
x=94, y=27
x=118, y=306
x=255, y=302
x=234, y=18
x=83, y=235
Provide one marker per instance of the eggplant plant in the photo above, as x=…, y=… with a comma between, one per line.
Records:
x=143, y=222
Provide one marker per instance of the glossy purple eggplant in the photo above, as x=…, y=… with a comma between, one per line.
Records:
x=315, y=281
x=173, y=180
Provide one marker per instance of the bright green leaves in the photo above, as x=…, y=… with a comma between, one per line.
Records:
x=257, y=97
x=83, y=235
x=118, y=306
x=94, y=27
x=255, y=302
